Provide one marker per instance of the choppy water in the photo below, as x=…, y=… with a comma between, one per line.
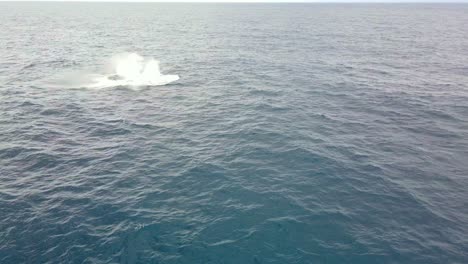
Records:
x=295, y=134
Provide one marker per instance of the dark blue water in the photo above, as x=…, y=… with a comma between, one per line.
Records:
x=295, y=134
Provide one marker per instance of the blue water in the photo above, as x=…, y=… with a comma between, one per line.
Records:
x=295, y=134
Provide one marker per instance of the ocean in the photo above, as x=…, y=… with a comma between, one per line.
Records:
x=233, y=133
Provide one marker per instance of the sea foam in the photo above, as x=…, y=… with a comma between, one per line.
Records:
x=125, y=69
x=131, y=69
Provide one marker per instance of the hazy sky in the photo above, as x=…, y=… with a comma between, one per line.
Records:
x=313, y=1
x=268, y=1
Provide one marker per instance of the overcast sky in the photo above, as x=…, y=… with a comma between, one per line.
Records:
x=270, y=1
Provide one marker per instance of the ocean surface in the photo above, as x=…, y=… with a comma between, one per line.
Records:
x=233, y=133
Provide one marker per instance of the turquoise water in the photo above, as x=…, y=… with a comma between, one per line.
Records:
x=293, y=134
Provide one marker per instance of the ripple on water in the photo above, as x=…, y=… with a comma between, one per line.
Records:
x=305, y=140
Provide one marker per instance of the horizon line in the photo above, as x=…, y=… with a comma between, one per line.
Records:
x=258, y=1
x=246, y=2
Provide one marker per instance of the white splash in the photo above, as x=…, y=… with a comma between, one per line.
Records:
x=131, y=69
x=126, y=69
